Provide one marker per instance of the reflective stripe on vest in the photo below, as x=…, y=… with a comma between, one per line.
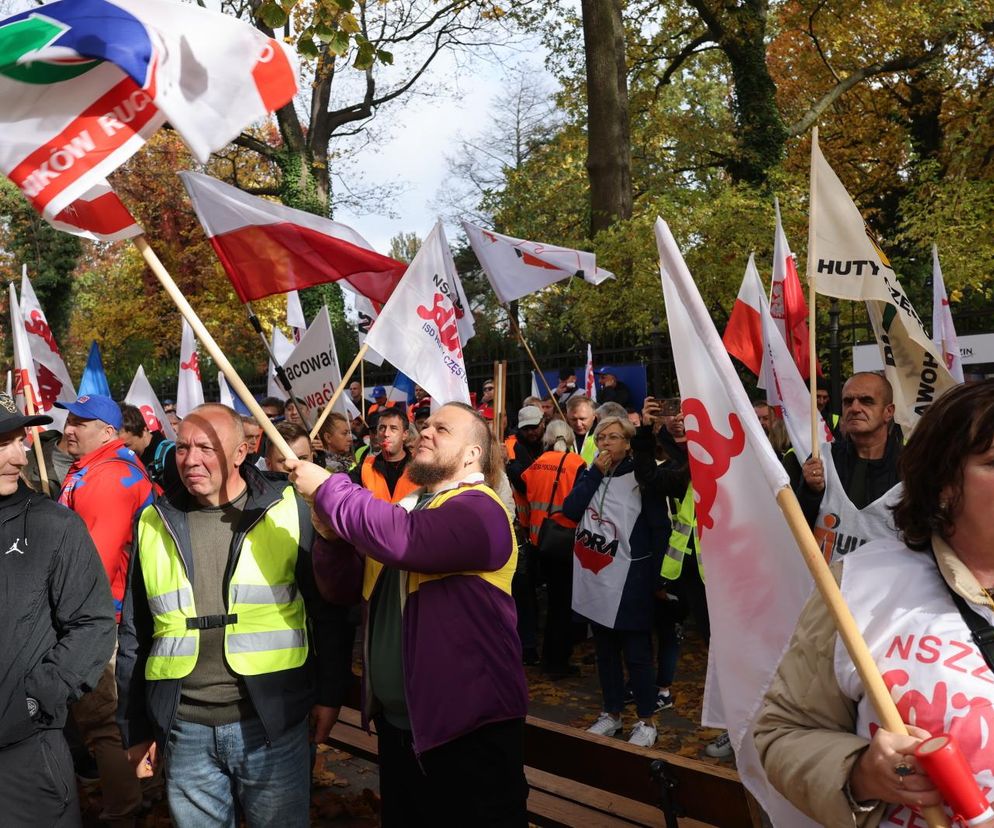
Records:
x=684, y=526
x=270, y=632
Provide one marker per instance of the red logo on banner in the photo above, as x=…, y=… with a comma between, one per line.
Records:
x=39, y=327
x=448, y=333
x=719, y=449
x=150, y=419
x=192, y=365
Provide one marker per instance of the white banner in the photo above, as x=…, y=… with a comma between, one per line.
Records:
x=50, y=369
x=417, y=330
x=313, y=368
x=846, y=262
x=141, y=395
x=755, y=578
x=943, y=330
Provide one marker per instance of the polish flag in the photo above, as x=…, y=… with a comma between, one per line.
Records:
x=943, y=332
x=98, y=214
x=787, y=305
x=267, y=248
x=743, y=337
x=189, y=390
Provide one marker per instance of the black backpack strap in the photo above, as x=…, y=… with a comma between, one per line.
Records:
x=555, y=485
x=981, y=631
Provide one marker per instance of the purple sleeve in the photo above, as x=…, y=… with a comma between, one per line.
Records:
x=468, y=532
x=337, y=571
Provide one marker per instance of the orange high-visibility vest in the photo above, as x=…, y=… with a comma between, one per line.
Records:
x=539, y=479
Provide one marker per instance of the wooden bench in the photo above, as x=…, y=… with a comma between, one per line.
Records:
x=578, y=779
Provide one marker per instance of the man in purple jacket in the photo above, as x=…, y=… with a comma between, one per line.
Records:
x=443, y=680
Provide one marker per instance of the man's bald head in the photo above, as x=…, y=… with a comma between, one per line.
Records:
x=210, y=446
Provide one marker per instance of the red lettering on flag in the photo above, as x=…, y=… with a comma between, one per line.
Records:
x=720, y=449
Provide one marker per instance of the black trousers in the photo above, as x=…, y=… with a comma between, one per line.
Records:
x=477, y=779
x=38, y=784
x=557, y=645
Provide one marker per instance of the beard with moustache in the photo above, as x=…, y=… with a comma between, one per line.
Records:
x=430, y=473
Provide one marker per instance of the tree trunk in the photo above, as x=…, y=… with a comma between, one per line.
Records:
x=609, y=159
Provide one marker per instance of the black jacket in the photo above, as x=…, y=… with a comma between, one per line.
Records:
x=147, y=709
x=881, y=475
x=56, y=612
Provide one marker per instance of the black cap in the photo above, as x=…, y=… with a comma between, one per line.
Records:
x=12, y=419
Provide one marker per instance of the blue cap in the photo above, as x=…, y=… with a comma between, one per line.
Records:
x=379, y=391
x=606, y=370
x=95, y=407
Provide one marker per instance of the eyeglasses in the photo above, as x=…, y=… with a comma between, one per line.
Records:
x=609, y=438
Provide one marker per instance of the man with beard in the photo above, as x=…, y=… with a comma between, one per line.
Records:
x=443, y=681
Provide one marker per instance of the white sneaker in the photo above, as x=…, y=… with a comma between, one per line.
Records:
x=643, y=735
x=720, y=748
x=606, y=725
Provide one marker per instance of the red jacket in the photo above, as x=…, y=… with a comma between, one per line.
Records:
x=107, y=488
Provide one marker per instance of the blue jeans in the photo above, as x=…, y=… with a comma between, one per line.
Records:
x=208, y=769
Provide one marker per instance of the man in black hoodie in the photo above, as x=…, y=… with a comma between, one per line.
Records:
x=58, y=634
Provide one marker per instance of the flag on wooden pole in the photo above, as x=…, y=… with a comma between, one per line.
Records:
x=943, y=330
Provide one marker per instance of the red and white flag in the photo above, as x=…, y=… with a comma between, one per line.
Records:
x=743, y=337
x=25, y=378
x=756, y=580
x=589, y=380
x=85, y=83
x=787, y=305
x=418, y=329
x=54, y=382
x=142, y=397
x=295, y=315
x=267, y=248
x=98, y=214
x=943, y=331
x=516, y=267
x=189, y=389
x=845, y=261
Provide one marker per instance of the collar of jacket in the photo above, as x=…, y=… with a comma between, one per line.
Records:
x=263, y=492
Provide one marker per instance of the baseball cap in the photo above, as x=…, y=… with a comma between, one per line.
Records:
x=11, y=418
x=379, y=391
x=95, y=407
x=530, y=415
x=605, y=370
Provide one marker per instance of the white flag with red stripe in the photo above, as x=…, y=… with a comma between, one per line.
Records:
x=189, y=389
x=142, y=397
x=98, y=214
x=86, y=82
x=25, y=378
x=54, y=382
x=787, y=305
x=589, y=380
x=418, y=329
x=943, y=330
x=756, y=580
x=516, y=267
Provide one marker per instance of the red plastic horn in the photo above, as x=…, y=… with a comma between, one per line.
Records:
x=945, y=764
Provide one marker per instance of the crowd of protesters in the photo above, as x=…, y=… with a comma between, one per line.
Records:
x=238, y=580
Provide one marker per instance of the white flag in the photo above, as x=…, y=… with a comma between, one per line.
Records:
x=755, y=578
x=848, y=263
x=943, y=332
x=417, y=330
x=25, y=378
x=313, y=368
x=142, y=397
x=54, y=382
x=516, y=267
x=295, y=315
x=189, y=389
x=589, y=380
x=225, y=397
x=281, y=348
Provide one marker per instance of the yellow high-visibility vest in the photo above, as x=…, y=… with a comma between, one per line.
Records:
x=681, y=539
x=266, y=626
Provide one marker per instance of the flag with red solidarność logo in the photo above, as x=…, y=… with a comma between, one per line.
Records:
x=142, y=397
x=418, y=329
x=189, y=388
x=86, y=82
x=516, y=267
x=25, y=377
x=54, y=382
x=267, y=248
x=755, y=579
x=943, y=330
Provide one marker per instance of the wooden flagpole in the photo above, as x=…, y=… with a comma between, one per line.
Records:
x=338, y=391
x=852, y=638
x=29, y=402
x=220, y=360
x=812, y=353
x=531, y=356
x=362, y=390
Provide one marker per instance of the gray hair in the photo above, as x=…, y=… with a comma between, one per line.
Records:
x=611, y=409
x=556, y=432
